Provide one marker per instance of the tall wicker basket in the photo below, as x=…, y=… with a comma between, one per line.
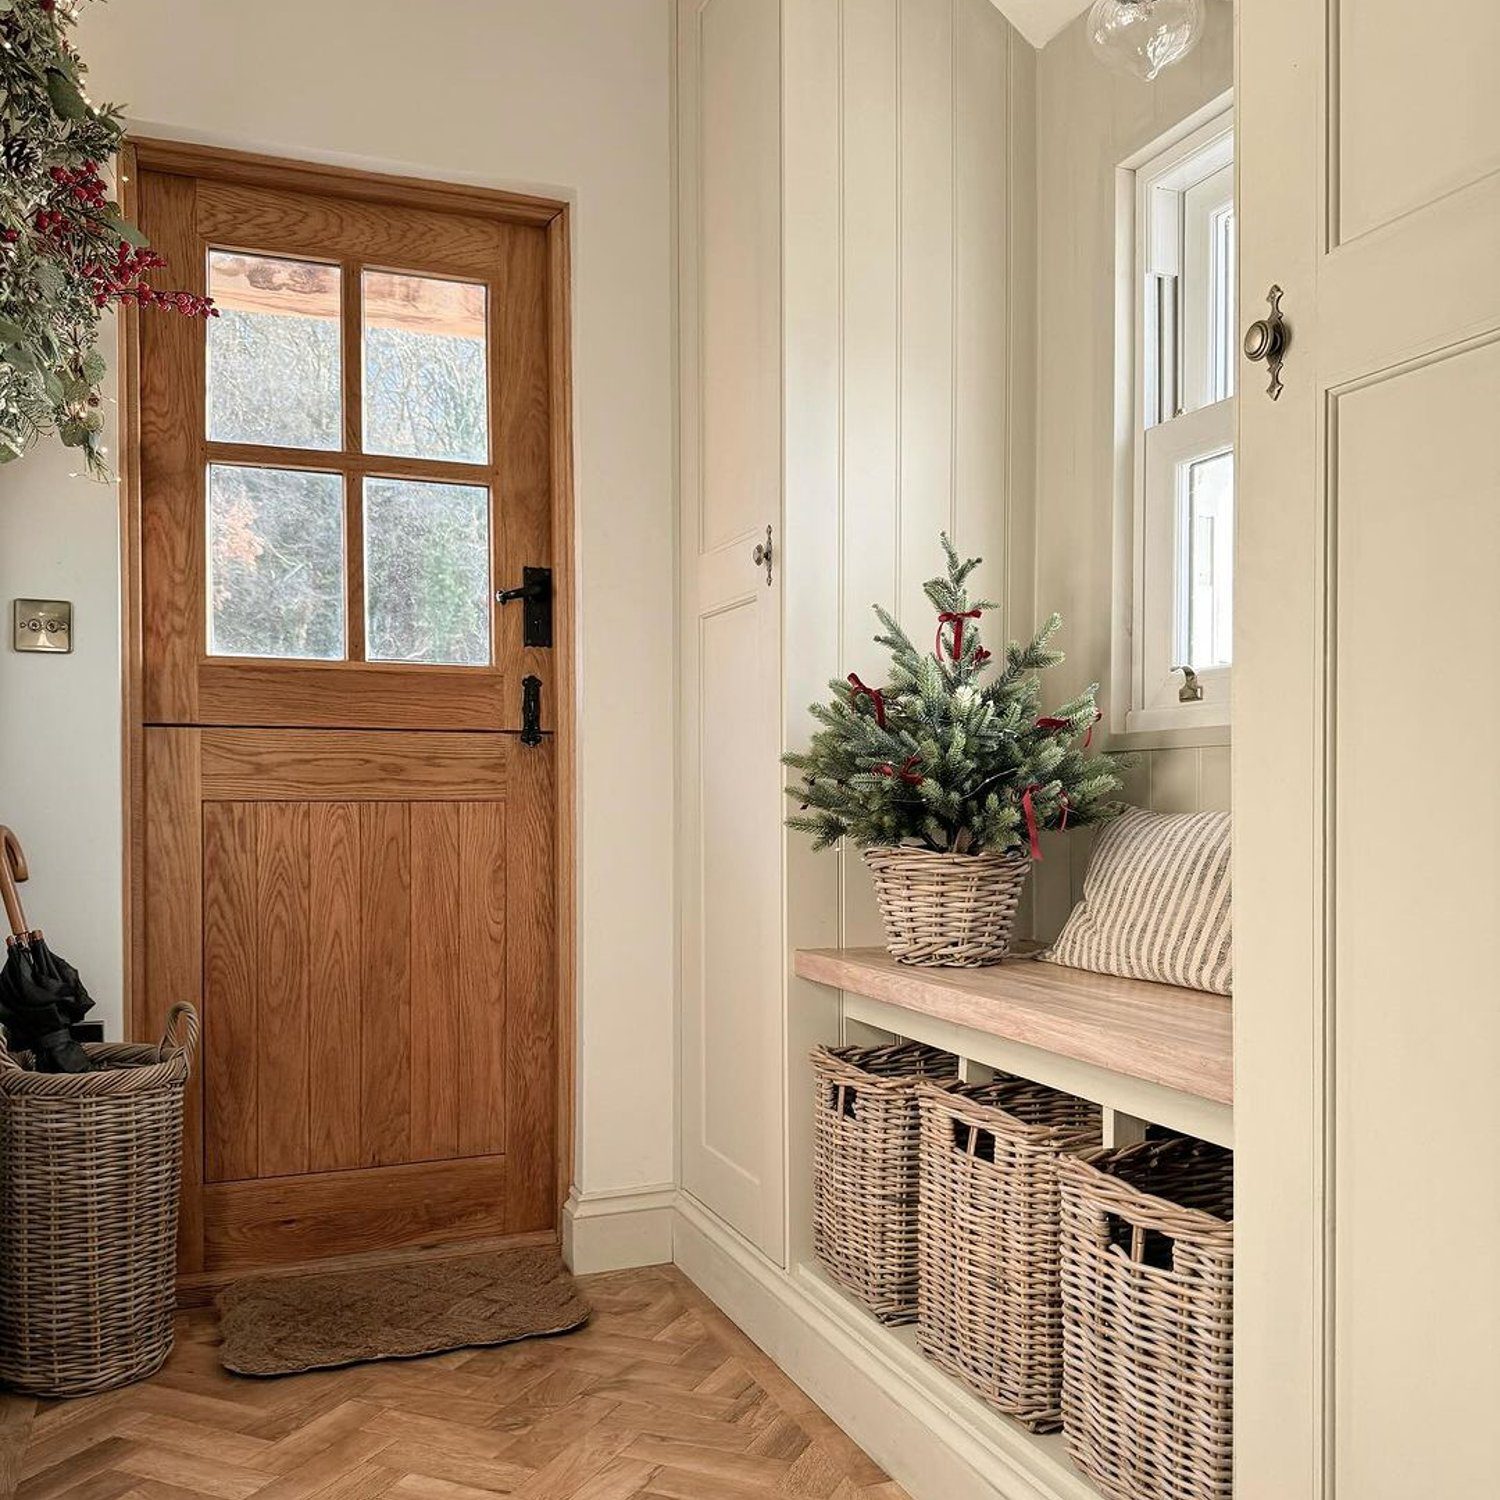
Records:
x=90, y=1173
x=949, y=910
x=865, y=1169
x=989, y=1307
x=1148, y=1319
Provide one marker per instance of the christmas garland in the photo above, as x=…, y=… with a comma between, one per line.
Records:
x=942, y=759
x=67, y=254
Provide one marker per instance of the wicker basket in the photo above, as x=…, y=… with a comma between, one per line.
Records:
x=953, y=910
x=989, y=1307
x=1147, y=1267
x=90, y=1171
x=865, y=1169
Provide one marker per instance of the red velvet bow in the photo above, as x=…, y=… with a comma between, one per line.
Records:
x=1050, y=721
x=908, y=773
x=956, y=619
x=875, y=696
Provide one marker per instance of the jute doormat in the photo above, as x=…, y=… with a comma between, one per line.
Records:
x=279, y=1325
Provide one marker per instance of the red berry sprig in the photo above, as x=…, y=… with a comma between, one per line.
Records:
x=69, y=224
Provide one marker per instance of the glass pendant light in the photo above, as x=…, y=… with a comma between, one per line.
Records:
x=1141, y=37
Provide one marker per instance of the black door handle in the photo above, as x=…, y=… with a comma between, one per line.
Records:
x=536, y=594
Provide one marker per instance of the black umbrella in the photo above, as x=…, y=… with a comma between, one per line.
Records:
x=41, y=995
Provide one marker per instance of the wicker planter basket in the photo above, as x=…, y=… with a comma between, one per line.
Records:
x=90, y=1170
x=1147, y=1268
x=989, y=1304
x=953, y=910
x=865, y=1169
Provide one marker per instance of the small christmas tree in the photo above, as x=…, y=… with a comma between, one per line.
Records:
x=941, y=759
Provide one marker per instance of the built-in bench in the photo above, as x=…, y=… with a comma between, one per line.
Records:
x=1147, y=1053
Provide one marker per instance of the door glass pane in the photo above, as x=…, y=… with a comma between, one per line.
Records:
x=424, y=380
x=275, y=563
x=427, y=572
x=274, y=368
x=1206, y=562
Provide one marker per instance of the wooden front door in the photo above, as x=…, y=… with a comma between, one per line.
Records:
x=346, y=833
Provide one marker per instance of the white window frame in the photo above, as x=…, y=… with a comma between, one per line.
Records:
x=1160, y=236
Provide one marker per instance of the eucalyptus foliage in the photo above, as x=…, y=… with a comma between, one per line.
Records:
x=942, y=758
x=66, y=251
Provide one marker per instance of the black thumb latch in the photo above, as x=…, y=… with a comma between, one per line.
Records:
x=531, y=710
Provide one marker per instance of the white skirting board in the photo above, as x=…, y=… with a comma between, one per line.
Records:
x=615, y=1230
x=931, y=1436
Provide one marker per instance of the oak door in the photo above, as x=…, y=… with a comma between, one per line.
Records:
x=346, y=825
x=1368, y=854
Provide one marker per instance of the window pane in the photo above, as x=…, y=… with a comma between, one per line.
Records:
x=1224, y=322
x=275, y=563
x=427, y=572
x=1206, y=588
x=426, y=394
x=273, y=352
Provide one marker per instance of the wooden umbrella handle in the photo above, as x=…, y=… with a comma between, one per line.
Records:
x=12, y=872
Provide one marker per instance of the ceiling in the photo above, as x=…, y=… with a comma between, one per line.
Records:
x=1040, y=20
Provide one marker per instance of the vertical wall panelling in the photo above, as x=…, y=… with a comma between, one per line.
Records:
x=905, y=222
x=812, y=596
x=1088, y=121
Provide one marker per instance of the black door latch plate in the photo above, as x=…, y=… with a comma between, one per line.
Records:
x=531, y=710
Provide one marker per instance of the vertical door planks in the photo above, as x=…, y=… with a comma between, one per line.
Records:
x=336, y=1012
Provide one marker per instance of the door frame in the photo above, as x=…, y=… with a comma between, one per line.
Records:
x=554, y=215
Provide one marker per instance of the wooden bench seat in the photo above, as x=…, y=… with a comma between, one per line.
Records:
x=1175, y=1038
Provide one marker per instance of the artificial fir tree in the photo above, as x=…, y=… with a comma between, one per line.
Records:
x=942, y=759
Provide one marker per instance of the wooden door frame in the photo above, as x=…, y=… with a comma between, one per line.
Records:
x=554, y=215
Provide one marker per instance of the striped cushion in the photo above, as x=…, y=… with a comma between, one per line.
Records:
x=1156, y=902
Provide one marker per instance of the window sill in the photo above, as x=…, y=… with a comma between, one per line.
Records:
x=1170, y=737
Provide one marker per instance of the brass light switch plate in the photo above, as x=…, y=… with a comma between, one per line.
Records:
x=43, y=625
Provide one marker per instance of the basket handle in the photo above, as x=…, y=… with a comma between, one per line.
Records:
x=171, y=1043
x=8, y=1063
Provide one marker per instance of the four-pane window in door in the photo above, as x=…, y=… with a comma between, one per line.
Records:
x=349, y=463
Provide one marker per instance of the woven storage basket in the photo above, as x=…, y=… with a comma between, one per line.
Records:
x=989, y=1304
x=953, y=910
x=865, y=1169
x=1147, y=1268
x=90, y=1171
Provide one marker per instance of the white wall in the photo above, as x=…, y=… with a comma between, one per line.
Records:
x=60, y=715
x=570, y=97
x=1088, y=121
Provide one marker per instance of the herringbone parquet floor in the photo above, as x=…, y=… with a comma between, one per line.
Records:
x=659, y=1398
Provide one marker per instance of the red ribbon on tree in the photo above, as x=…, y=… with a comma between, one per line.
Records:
x=875, y=696
x=1033, y=833
x=908, y=773
x=1050, y=721
x=956, y=619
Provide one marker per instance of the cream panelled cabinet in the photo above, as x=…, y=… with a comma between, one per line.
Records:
x=1367, y=875
x=730, y=1039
